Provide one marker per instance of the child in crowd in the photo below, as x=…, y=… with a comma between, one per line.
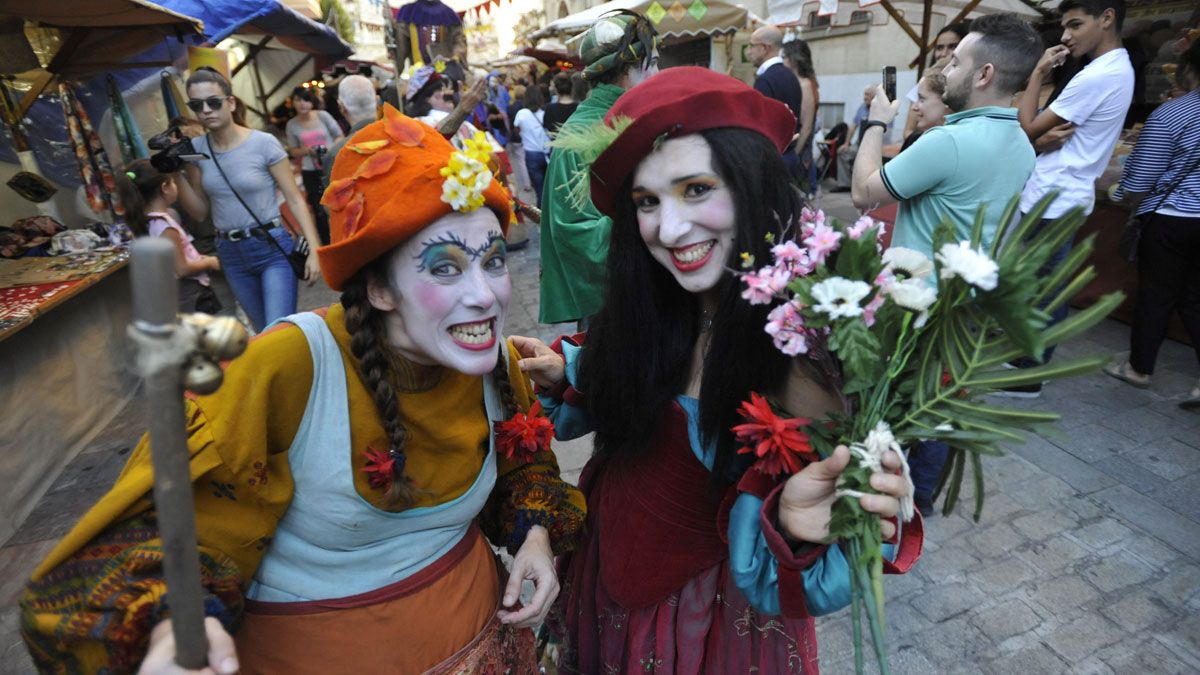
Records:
x=147, y=195
x=929, y=110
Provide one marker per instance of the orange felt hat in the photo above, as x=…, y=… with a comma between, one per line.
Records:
x=386, y=186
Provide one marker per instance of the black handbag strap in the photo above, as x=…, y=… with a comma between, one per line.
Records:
x=266, y=232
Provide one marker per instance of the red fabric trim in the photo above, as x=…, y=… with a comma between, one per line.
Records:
x=791, y=563
x=412, y=584
x=912, y=539
x=758, y=484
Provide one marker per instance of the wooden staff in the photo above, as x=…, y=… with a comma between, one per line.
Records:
x=162, y=353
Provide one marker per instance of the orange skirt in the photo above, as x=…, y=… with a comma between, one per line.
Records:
x=441, y=620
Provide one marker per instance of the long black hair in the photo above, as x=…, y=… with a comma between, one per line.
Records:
x=637, y=352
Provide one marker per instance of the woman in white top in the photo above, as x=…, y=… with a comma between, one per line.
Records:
x=534, y=138
x=310, y=134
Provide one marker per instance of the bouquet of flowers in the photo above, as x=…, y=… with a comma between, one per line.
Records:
x=918, y=343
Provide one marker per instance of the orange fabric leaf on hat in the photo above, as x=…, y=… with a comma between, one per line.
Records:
x=404, y=130
x=338, y=194
x=378, y=164
x=369, y=147
x=353, y=214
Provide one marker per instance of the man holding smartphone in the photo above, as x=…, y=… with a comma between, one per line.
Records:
x=979, y=158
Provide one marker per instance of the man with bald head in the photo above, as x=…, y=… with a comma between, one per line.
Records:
x=775, y=80
x=356, y=100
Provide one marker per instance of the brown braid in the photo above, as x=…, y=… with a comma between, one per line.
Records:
x=369, y=344
x=508, y=399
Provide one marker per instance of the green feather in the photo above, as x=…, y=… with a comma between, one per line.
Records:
x=588, y=142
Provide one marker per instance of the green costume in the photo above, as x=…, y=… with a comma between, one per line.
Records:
x=574, y=240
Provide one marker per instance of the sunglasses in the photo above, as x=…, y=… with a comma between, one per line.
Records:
x=214, y=103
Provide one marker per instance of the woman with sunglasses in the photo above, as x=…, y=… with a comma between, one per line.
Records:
x=238, y=181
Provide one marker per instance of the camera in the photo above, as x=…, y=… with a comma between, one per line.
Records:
x=174, y=148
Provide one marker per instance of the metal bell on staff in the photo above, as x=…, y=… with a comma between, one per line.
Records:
x=174, y=352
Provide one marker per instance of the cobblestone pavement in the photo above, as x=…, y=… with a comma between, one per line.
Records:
x=1086, y=558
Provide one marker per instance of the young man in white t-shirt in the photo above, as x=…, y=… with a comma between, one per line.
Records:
x=1094, y=104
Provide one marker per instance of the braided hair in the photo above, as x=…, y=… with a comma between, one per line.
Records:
x=368, y=343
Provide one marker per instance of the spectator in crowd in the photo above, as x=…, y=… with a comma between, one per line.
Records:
x=798, y=57
x=310, y=134
x=579, y=87
x=849, y=150
x=775, y=80
x=531, y=123
x=1162, y=184
x=943, y=46
x=356, y=99
x=256, y=163
x=563, y=106
x=1095, y=103
x=618, y=52
x=980, y=158
x=930, y=109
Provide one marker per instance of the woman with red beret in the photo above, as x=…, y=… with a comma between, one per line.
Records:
x=689, y=562
x=349, y=469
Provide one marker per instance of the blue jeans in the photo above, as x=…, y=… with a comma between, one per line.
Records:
x=261, y=278
x=535, y=162
x=1062, y=310
x=925, y=462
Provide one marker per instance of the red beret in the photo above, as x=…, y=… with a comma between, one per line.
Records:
x=678, y=102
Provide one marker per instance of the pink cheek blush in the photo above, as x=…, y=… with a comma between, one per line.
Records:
x=433, y=299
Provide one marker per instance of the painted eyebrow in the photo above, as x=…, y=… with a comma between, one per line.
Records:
x=677, y=181
x=433, y=246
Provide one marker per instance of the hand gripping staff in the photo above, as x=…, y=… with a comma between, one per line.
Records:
x=174, y=352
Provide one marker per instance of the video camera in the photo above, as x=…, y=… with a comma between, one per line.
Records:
x=174, y=148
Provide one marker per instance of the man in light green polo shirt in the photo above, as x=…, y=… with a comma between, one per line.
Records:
x=980, y=157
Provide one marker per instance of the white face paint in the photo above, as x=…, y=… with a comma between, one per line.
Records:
x=686, y=213
x=446, y=293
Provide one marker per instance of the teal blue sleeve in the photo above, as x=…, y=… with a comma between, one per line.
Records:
x=569, y=421
x=755, y=569
x=923, y=166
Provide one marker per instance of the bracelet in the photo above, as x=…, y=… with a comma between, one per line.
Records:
x=874, y=123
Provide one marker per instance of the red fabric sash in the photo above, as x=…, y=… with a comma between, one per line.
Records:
x=656, y=517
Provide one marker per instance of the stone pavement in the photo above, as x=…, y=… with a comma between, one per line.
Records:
x=1086, y=558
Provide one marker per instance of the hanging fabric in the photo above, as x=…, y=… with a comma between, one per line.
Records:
x=169, y=95
x=94, y=167
x=128, y=135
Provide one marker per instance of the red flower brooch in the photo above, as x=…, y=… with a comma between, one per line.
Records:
x=383, y=468
x=777, y=442
x=526, y=434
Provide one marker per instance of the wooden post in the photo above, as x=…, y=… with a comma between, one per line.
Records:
x=895, y=14
x=926, y=17
x=160, y=361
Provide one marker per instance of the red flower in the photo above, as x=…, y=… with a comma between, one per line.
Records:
x=380, y=469
x=777, y=442
x=525, y=434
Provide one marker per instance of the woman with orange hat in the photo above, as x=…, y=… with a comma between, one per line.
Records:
x=352, y=464
x=690, y=562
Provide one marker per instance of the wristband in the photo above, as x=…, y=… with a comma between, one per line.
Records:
x=874, y=123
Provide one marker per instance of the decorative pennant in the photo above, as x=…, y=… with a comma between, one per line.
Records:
x=698, y=9
x=827, y=8
x=655, y=12
x=677, y=11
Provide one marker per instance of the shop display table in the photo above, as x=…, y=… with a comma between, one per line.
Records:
x=64, y=367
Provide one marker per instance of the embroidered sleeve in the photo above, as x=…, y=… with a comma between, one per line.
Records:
x=530, y=491
x=94, y=612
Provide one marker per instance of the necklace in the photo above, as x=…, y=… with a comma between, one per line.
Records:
x=706, y=320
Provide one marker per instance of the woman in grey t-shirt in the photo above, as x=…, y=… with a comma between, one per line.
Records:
x=256, y=164
x=311, y=130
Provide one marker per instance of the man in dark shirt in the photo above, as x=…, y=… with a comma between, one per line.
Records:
x=775, y=80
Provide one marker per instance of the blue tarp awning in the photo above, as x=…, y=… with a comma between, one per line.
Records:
x=47, y=130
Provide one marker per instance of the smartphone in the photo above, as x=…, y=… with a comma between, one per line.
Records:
x=889, y=82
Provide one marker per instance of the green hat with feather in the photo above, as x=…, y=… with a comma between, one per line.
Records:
x=615, y=41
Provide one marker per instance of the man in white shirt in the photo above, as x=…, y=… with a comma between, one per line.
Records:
x=1094, y=103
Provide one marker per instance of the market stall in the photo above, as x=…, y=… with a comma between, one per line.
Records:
x=63, y=355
